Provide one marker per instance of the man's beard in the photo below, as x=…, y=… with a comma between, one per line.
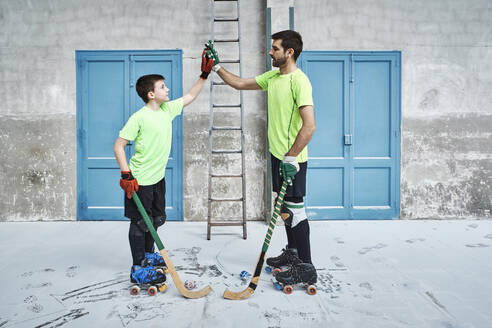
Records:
x=279, y=62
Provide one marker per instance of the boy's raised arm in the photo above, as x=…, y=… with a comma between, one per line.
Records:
x=193, y=93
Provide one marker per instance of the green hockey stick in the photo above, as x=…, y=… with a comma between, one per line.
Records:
x=172, y=270
x=259, y=265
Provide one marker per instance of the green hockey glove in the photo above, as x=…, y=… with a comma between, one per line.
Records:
x=289, y=168
x=215, y=54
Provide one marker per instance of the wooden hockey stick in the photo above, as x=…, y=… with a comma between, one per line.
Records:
x=259, y=265
x=172, y=270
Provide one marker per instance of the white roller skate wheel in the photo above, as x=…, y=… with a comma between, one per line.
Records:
x=152, y=290
x=134, y=290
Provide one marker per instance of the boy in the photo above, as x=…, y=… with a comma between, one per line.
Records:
x=151, y=129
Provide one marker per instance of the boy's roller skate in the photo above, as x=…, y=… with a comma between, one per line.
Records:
x=156, y=260
x=147, y=277
x=287, y=258
x=299, y=273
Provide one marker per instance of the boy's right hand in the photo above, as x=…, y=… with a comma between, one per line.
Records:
x=128, y=183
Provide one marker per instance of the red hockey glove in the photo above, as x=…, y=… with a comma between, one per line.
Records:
x=128, y=183
x=207, y=63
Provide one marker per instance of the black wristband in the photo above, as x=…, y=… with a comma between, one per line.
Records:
x=204, y=75
x=127, y=176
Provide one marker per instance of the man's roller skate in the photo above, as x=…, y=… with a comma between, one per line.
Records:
x=299, y=273
x=287, y=258
x=147, y=277
x=156, y=260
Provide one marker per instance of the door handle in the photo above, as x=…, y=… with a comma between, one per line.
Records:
x=348, y=139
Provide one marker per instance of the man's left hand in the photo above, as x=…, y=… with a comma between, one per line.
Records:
x=289, y=168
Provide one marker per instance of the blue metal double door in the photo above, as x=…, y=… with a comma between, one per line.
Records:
x=106, y=98
x=354, y=156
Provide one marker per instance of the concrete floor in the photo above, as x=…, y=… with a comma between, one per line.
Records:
x=371, y=274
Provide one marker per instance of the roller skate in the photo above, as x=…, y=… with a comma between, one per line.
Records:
x=299, y=273
x=156, y=260
x=147, y=277
x=287, y=258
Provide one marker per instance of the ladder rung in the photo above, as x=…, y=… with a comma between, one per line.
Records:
x=226, y=40
x=226, y=199
x=226, y=175
x=227, y=128
x=226, y=223
x=226, y=19
x=219, y=83
x=230, y=61
x=225, y=105
x=226, y=151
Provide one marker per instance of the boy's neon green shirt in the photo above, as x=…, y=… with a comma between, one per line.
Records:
x=284, y=120
x=152, y=132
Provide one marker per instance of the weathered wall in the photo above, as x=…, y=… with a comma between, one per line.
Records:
x=38, y=40
x=446, y=99
x=446, y=164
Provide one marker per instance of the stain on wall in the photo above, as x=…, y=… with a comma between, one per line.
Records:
x=38, y=168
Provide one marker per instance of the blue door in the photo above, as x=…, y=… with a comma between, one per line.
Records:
x=106, y=98
x=354, y=156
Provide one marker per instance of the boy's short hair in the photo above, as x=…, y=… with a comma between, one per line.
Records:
x=145, y=84
x=290, y=39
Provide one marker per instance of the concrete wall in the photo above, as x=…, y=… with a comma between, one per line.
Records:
x=446, y=49
x=446, y=99
x=38, y=40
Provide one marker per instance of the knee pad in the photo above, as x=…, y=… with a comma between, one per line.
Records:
x=140, y=224
x=158, y=221
x=293, y=213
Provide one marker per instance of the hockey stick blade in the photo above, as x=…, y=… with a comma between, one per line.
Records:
x=172, y=270
x=259, y=264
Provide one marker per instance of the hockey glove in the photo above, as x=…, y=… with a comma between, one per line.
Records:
x=207, y=63
x=289, y=168
x=128, y=183
x=215, y=55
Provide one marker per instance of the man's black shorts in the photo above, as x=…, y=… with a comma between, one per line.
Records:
x=298, y=189
x=153, y=199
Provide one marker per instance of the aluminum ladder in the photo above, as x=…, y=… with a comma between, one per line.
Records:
x=213, y=176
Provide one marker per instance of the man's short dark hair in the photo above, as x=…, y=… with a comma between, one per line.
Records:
x=290, y=39
x=145, y=84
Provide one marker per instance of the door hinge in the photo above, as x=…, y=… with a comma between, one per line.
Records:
x=348, y=139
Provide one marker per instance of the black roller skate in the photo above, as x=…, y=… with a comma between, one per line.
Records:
x=287, y=258
x=299, y=273
x=147, y=277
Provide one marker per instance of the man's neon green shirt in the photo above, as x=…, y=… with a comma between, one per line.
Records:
x=152, y=132
x=286, y=93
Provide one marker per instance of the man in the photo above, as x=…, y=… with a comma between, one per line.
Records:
x=291, y=125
